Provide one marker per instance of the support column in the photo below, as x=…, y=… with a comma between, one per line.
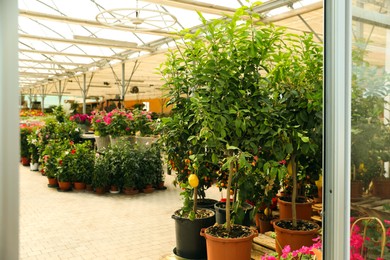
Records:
x=43, y=96
x=60, y=93
x=337, y=135
x=9, y=131
x=123, y=81
x=84, y=91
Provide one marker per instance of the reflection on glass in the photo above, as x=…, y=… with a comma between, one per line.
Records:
x=370, y=136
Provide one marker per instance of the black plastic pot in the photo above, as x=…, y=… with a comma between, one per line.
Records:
x=220, y=214
x=189, y=243
x=206, y=203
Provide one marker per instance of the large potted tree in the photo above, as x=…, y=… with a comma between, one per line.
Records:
x=223, y=73
x=294, y=124
x=175, y=131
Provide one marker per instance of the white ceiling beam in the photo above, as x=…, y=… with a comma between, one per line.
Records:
x=81, y=42
x=68, y=54
x=294, y=12
x=196, y=5
x=370, y=17
x=83, y=22
x=54, y=62
x=42, y=68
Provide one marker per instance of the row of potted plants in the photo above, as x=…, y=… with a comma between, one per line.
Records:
x=124, y=166
x=118, y=122
x=65, y=156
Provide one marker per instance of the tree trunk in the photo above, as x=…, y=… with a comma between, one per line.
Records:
x=229, y=186
x=294, y=192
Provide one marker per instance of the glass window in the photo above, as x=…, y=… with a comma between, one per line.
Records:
x=370, y=132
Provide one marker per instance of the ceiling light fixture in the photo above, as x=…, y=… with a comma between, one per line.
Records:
x=137, y=19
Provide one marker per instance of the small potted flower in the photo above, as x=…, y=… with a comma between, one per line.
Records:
x=83, y=121
x=99, y=122
x=32, y=140
x=119, y=124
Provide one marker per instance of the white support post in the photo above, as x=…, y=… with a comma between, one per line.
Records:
x=9, y=131
x=84, y=93
x=336, y=206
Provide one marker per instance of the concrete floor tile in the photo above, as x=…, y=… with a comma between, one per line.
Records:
x=86, y=226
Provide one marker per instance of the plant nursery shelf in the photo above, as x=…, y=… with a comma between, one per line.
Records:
x=372, y=206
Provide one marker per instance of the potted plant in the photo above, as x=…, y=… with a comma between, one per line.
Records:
x=150, y=165
x=222, y=73
x=240, y=93
x=101, y=174
x=369, y=134
x=83, y=121
x=115, y=156
x=99, y=122
x=294, y=125
x=68, y=165
x=25, y=154
x=130, y=168
x=119, y=124
x=32, y=140
x=83, y=158
x=50, y=159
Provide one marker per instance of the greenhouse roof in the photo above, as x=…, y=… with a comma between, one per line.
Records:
x=104, y=47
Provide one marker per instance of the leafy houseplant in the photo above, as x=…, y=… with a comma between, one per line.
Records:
x=101, y=174
x=369, y=132
x=25, y=131
x=115, y=156
x=130, y=168
x=32, y=140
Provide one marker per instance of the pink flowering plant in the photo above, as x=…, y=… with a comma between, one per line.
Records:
x=144, y=123
x=369, y=246
x=99, y=122
x=83, y=119
x=303, y=253
x=120, y=123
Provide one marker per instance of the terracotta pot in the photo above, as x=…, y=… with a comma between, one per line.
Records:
x=100, y=190
x=79, y=185
x=64, y=185
x=130, y=191
x=53, y=183
x=295, y=238
x=381, y=188
x=88, y=187
x=228, y=248
x=114, y=189
x=25, y=161
x=148, y=189
x=304, y=210
x=263, y=225
x=356, y=189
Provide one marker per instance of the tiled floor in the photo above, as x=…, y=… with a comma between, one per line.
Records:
x=83, y=225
